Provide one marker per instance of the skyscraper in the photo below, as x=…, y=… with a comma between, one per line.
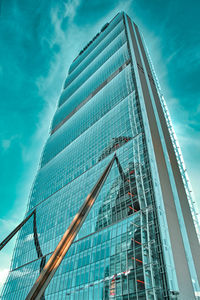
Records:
x=139, y=240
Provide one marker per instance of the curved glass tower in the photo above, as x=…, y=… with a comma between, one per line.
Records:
x=140, y=239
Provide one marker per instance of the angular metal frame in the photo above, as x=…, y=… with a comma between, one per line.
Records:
x=56, y=258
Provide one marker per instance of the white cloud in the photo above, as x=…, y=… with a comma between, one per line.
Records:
x=174, y=54
x=71, y=7
x=30, y=237
x=7, y=225
x=22, y=272
x=3, y=276
x=6, y=143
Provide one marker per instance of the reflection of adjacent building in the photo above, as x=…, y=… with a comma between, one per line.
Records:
x=120, y=202
x=114, y=144
x=128, y=279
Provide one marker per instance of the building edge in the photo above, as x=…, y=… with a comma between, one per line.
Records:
x=178, y=214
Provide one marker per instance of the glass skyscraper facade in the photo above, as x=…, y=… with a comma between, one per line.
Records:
x=140, y=239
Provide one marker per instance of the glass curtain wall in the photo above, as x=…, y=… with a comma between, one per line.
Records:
x=117, y=253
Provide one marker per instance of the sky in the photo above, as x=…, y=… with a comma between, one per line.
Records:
x=39, y=40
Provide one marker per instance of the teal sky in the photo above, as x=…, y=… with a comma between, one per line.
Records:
x=39, y=40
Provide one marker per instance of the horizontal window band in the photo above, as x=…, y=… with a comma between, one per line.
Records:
x=76, y=241
x=82, y=68
x=44, y=163
x=35, y=205
x=102, y=85
x=92, y=234
x=96, y=43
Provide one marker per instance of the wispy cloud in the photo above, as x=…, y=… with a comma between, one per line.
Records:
x=71, y=8
x=3, y=276
x=6, y=143
x=174, y=54
x=6, y=225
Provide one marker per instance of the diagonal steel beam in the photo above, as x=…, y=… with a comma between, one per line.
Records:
x=56, y=258
x=36, y=240
x=9, y=237
x=121, y=172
